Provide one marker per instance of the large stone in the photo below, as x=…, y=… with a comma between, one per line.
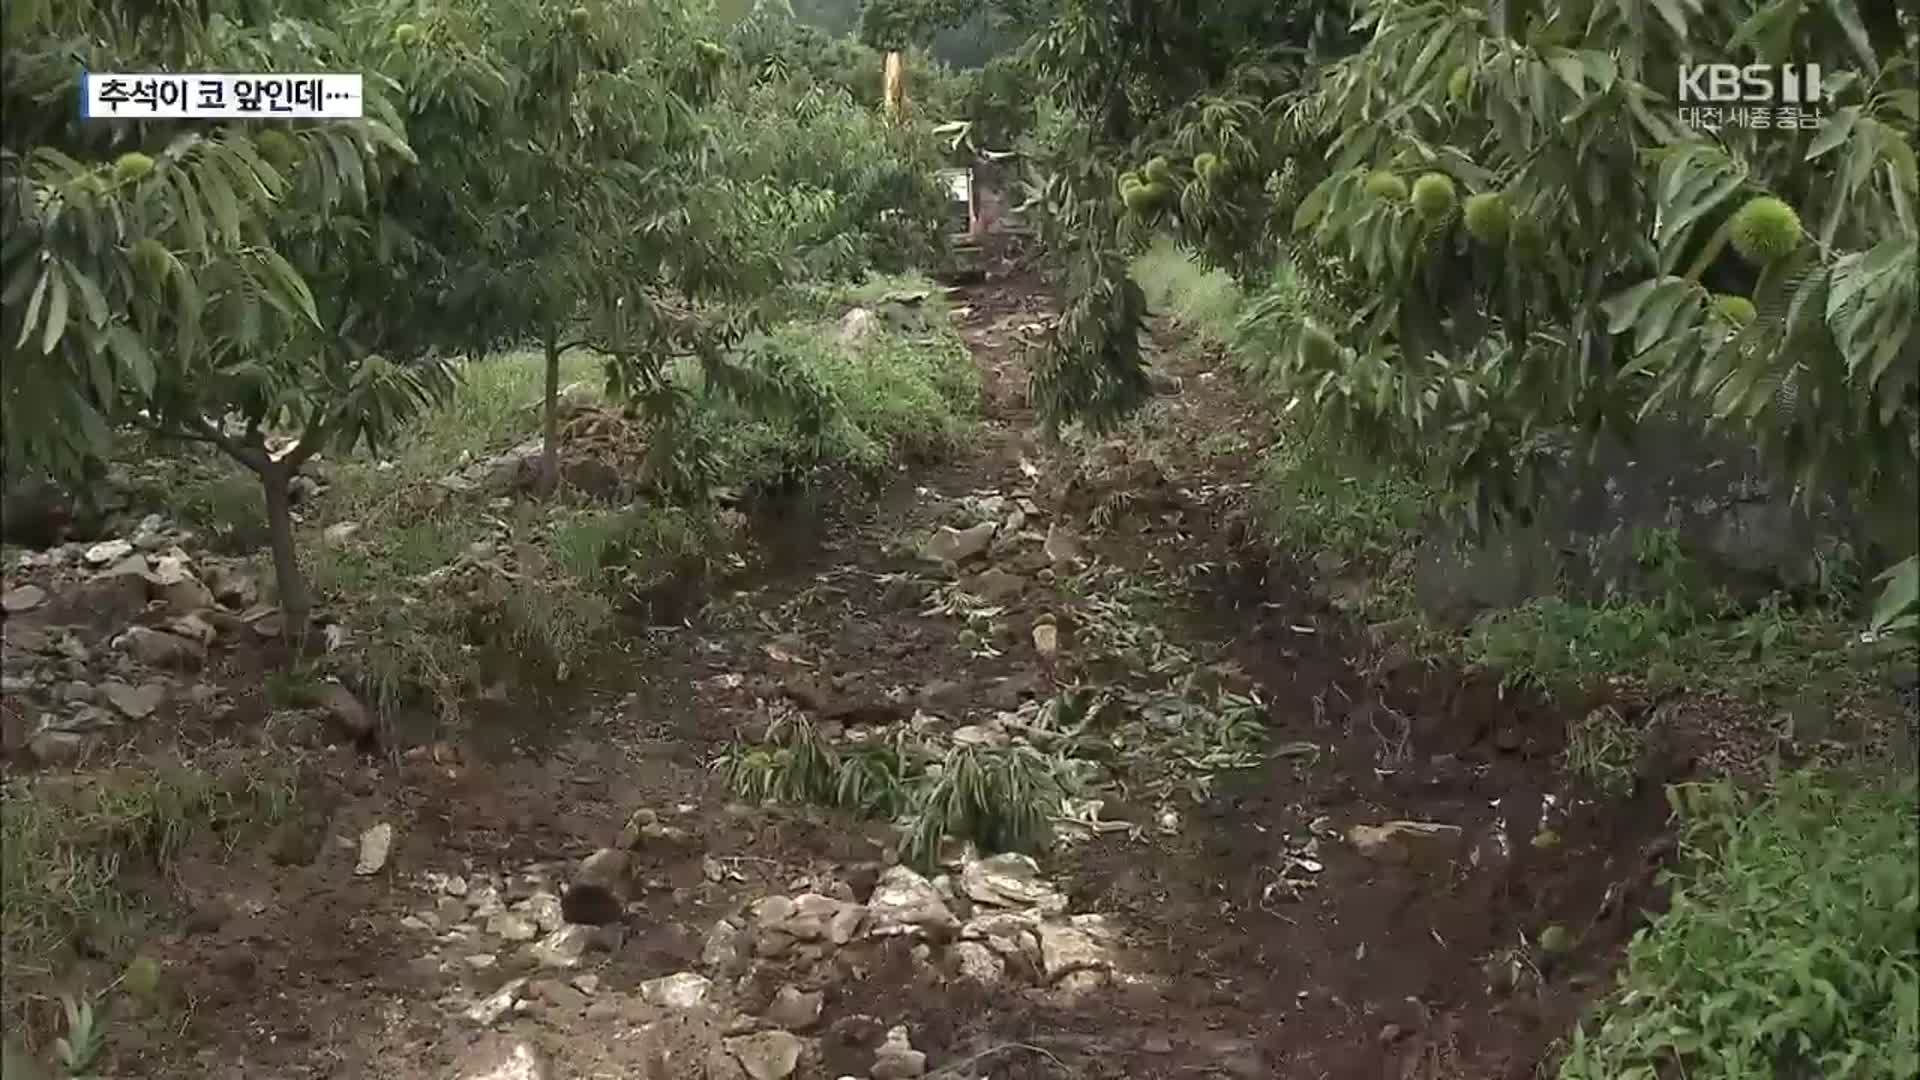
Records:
x=600, y=888
x=958, y=545
x=1062, y=546
x=1399, y=840
x=725, y=949
x=978, y=963
x=375, y=844
x=157, y=648
x=565, y=947
x=684, y=990
x=185, y=595
x=509, y=926
x=1011, y=880
x=134, y=702
x=795, y=1009
x=107, y=551
x=496, y=1006
x=22, y=598
x=769, y=1055
x=897, y=1059
x=234, y=588
x=1074, y=955
x=503, y=1059
x=110, y=600
x=904, y=902
x=685, y=1046
x=345, y=711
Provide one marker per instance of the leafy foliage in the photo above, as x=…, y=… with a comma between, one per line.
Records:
x=1789, y=947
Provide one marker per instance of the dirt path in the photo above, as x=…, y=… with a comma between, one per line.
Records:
x=1224, y=920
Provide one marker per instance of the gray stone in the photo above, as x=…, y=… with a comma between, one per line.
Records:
x=564, y=948
x=769, y=1055
x=161, y=649
x=184, y=595
x=958, y=545
x=725, y=948
x=512, y=1059
x=495, y=1007
x=107, y=551
x=684, y=990
x=1011, y=880
x=22, y=598
x=904, y=902
x=1074, y=955
x=897, y=1059
x=135, y=702
x=511, y=927
x=375, y=844
x=1062, y=546
x=795, y=1009
x=978, y=963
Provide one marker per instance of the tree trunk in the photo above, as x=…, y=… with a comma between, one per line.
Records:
x=550, y=419
x=295, y=603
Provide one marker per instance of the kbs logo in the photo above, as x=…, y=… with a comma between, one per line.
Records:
x=1756, y=96
x=1754, y=84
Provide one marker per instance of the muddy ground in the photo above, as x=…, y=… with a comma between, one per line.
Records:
x=1250, y=936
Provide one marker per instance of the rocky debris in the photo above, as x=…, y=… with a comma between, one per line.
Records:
x=897, y=1059
x=566, y=947
x=1011, y=880
x=795, y=1009
x=231, y=587
x=134, y=702
x=1075, y=955
x=810, y=918
x=1046, y=639
x=1398, y=840
x=959, y=545
x=976, y=962
x=1062, y=546
x=686, y=1046
x=22, y=598
x=375, y=844
x=108, y=551
x=509, y=926
x=768, y=1055
x=600, y=888
x=158, y=648
x=513, y=1059
x=111, y=599
x=57, y=747
x=496, y=1006
x=684, y=990
x=726, y=947
x=906, y=903
x=345, y=711
x=855, y=326
x=996, y=585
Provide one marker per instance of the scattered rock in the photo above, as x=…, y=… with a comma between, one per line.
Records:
x=544, y=909
x=958, y=545
x=509, y=1060
x=111, y=599
x=491, y=1009
x=58, y=747
x=161, y=649
x=1046, y=639
x=726, y=947
x=856, y=325
x=599, y=890
x=375, y=843
x=136, y=703
x=978, y=963
x=1074, y=955
x=345, y=710
x=795, y=1009
x=22, y=598
x=769, y=1055
x=684, y=990
x=107, y=551
x=996, y=585
x=904, y=902
x=340, y=532
x=231, y=587
x=1400, y=839
x=184, y=595
x=1011, y=880
x=897, y=1059
x=564, y=948
x=1062, y=546
x=511, y=927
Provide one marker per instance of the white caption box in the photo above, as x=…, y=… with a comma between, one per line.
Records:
x=210, y=96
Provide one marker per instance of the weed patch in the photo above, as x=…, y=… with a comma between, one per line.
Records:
x=64, y=847
x=1791, y=947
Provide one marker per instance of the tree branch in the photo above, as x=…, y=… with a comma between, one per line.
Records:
x=310, y=442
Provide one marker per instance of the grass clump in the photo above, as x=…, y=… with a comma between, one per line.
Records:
x=1206, y=302
x=1002, y=798
x=62, y=849
x=1791, y=947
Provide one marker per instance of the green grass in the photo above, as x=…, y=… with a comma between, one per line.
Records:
x=1791, y=947
x=64, y=848
x=1204, y=302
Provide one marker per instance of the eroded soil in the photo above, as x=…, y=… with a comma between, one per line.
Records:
x=1256, y=940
